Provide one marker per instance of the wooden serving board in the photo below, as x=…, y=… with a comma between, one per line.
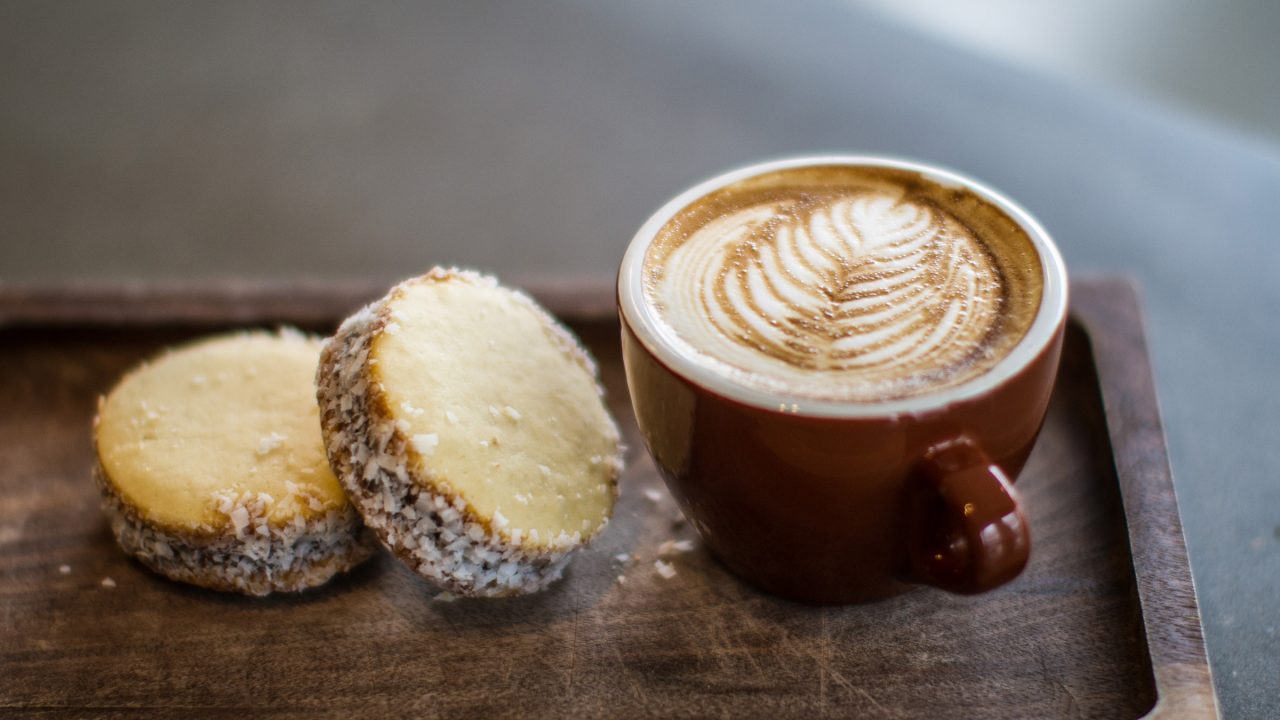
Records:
x=1103, y=623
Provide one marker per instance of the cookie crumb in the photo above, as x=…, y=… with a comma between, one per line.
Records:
x=665, y=569
x=64, y=569
x=108, y=583
x=425, y=444
x=674, y=547
x=271, y=442
x=653, y=495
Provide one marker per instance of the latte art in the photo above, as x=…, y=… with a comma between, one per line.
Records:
x=855, y=291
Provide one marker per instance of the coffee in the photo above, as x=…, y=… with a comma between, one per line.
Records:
x=843, y=283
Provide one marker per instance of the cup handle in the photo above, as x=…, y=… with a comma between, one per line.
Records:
x=968, y=533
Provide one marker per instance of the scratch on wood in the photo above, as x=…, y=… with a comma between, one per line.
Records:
x=725, y=648
x=871, y=700
x=1073, y=707
x=840, y=678
x=826, y=663
x=637, y=690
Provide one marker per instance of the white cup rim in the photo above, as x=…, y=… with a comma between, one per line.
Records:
x=650, y=331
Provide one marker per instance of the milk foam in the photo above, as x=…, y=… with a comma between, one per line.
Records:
x=861, y=292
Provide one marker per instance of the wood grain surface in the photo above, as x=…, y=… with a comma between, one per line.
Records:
x=1103, y=623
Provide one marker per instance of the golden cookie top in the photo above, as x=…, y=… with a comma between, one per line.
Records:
x=499, y=406
x=185, y=438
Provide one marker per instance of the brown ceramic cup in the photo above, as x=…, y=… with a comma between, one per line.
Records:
x=828, y=502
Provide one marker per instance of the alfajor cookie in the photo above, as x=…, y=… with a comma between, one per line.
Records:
x=469, y=430
x=212, y=469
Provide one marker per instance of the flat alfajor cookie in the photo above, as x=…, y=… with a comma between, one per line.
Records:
x=469, y=430
x=213, y=472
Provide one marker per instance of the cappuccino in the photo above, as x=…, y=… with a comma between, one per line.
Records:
x=843, y=283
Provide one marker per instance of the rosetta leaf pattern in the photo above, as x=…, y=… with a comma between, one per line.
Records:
x=864, y=283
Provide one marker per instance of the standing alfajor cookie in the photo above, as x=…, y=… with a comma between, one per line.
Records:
x=212, y=469
x=469, y=429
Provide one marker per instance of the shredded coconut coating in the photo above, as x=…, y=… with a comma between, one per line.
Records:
x=433, y=532
x=251, y=555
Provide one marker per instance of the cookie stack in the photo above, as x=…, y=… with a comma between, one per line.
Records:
x=454, y=421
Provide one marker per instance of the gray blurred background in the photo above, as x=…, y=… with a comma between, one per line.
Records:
x=1218, y=60
x=179, y=139
x=165, y=140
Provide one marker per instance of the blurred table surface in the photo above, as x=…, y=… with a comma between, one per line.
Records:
x=299, y=139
